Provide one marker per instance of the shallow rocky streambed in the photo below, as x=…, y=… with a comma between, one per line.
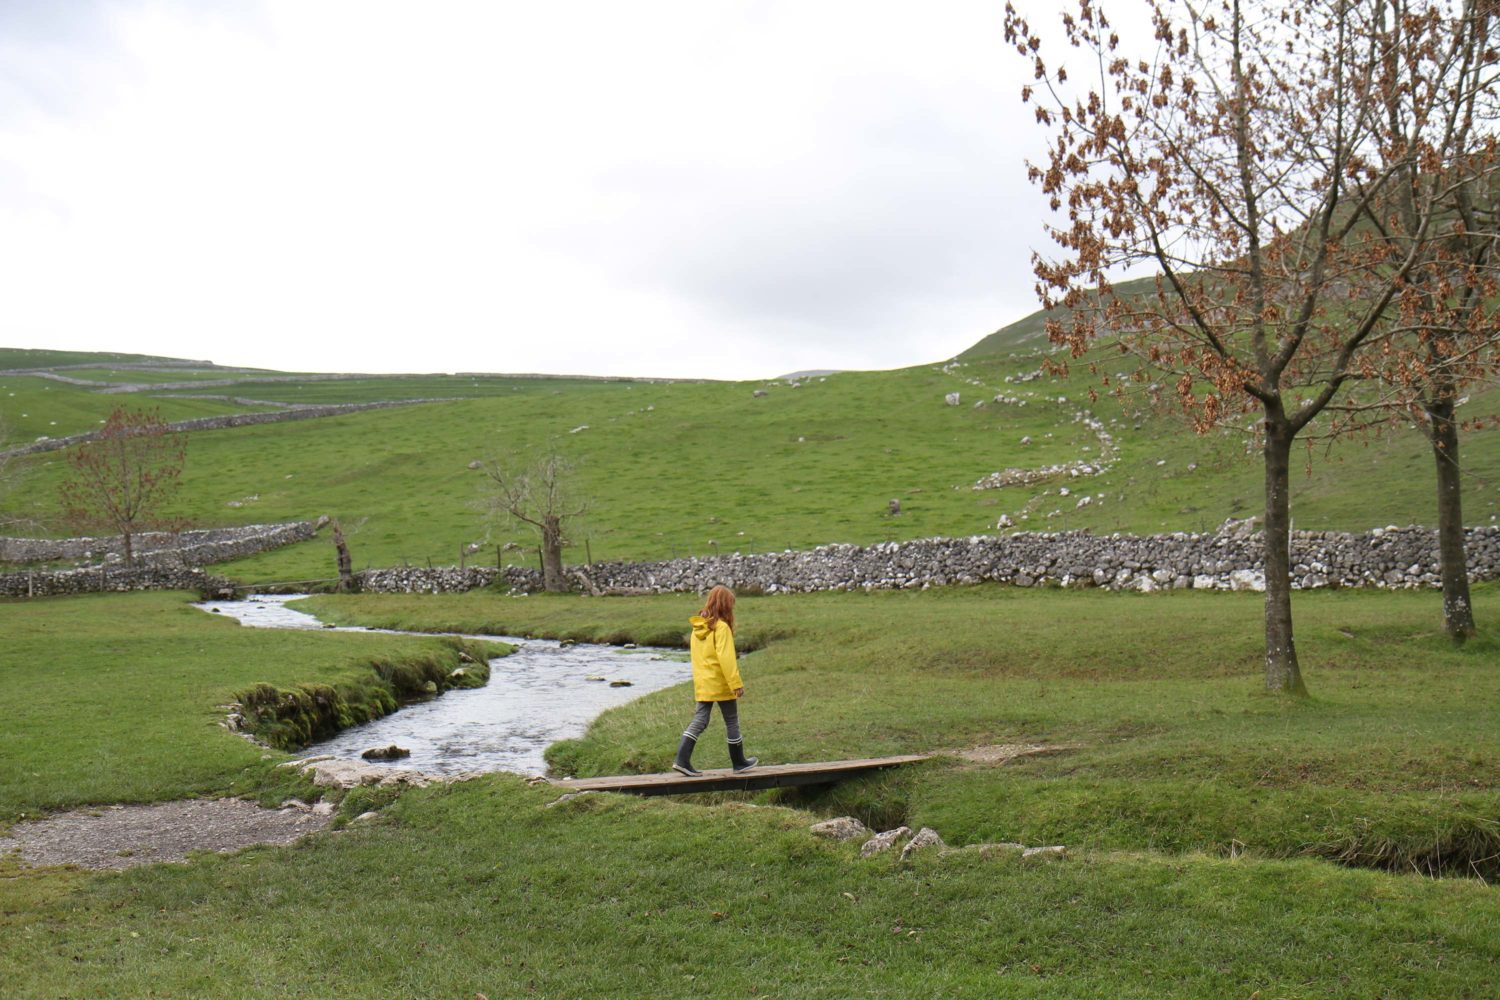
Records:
x=543, y=692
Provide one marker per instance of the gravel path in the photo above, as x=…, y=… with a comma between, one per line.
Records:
x=115, y=837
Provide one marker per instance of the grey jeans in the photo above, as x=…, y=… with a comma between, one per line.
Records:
x=730, y=710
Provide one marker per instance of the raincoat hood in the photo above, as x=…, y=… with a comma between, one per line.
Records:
x=700, y=627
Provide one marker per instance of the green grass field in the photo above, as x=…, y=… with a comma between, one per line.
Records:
x=1395, y=760
x=31, y=407
x=1200, y=812
x=364, y=390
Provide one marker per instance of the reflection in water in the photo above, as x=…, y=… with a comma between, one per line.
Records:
x=538, y=695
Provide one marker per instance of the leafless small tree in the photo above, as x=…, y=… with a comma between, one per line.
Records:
x=536, y=493
x=121, y=480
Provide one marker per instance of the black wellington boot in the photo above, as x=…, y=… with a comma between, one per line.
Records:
x=738, y=759
x=684, y=761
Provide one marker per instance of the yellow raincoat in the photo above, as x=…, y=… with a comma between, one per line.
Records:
x=716, y=674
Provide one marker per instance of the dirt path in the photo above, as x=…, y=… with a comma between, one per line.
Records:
x=115, y=837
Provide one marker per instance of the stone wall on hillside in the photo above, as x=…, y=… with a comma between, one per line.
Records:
x=197, y=547
x=1228, y=559
x=221, y=422
x=126, y=388
x=39, y=583
x=165, y=363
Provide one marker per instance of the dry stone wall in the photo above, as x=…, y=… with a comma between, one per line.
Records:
x=1228, y=559
x=445, y=579
x=99, y=579
x=158, y=548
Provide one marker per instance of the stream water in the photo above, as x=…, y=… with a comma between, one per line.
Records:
x=539, y=694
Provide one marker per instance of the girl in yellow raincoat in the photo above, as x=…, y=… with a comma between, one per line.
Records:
x=716, y=680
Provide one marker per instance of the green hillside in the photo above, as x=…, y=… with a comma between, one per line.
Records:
x=33, y=407
x=382, y=387
x=694, y=468
x=154, y=376
x=1029, y=333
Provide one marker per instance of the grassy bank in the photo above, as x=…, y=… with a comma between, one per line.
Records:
x=119, y=698
x=1172, y=744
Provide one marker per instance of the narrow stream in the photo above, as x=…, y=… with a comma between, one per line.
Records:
x=538, y=695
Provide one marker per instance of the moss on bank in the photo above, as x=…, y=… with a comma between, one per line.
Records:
x=290, y=718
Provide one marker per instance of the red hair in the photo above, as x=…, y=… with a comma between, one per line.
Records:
x=719, y=607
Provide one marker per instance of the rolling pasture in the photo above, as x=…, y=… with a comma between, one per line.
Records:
x=677, y=468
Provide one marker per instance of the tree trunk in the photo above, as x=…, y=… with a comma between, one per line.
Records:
x=1282, y=672
x=346, y=562
x=1458, y=613
x=128, y=543
x=552, y=565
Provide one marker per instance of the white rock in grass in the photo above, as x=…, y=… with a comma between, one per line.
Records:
x=884, y=841
x=1001, y=850
x=925, y=838
x=568, y=797
x=842, y=828
x=1044, y=853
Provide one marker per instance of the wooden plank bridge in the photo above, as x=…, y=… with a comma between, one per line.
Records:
x=726, y=780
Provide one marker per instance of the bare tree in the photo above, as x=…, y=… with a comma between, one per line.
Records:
x=536, y=493
x=345, y=560
x=121, y=480
x=1244, y=157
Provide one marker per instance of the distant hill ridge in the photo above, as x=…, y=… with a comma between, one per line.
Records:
x=27, y=361
x=15, y=360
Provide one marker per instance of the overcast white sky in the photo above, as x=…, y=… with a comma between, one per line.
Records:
x=689, y=188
